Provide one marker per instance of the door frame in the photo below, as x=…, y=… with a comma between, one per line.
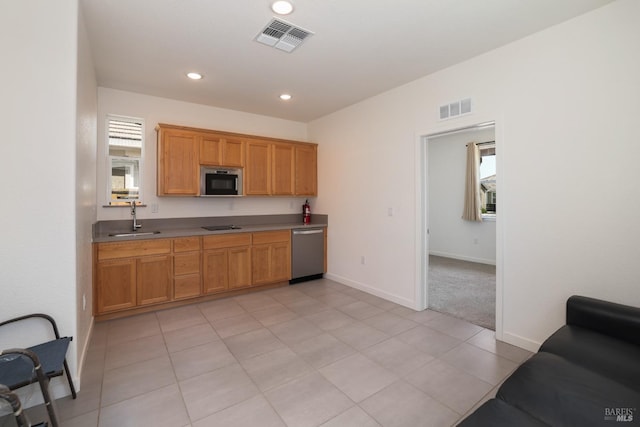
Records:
x=422, y=212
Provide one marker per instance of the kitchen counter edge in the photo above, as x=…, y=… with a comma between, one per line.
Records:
x=172, y=233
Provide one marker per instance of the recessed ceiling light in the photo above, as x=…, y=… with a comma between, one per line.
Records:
x=282, y=7
x=194, y=76
x=285, y=97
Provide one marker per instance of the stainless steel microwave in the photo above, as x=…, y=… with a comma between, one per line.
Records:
x=220, y=181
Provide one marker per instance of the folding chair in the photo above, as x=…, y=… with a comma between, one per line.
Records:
x=21, y=367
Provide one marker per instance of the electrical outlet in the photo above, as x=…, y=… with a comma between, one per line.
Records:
x=362, y=260
x=154, y=208
x=390, y=211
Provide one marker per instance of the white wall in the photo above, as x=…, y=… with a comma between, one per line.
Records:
x=449, y=235
x=565, y=105
x=38, y=149
x=161, y=110
x=85, y=167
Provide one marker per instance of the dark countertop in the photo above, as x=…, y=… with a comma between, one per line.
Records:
x=185, y=227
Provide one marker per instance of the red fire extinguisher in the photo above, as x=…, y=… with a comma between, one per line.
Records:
x=306, y=213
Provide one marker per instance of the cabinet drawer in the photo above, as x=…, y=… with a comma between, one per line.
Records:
x=271, y=237
x=186, y=244
x=113, y=250
x=187, y=286
x=186, y=263
x=226, y=241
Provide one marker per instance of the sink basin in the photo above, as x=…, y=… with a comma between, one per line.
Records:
x=134, y=234
x=222, y=227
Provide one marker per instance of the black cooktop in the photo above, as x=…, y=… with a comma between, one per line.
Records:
x=222, y=227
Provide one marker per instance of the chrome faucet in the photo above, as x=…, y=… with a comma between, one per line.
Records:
x=136, y=226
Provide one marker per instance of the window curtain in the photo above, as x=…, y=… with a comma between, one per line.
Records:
x=472, y=211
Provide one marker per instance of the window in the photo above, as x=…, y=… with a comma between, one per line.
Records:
x=125, y=139
x=488, y=179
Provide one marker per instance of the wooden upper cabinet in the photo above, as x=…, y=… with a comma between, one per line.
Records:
x=257, y=171
x=271, y=166
x=221, y=150
x=306, y=171
x=283, y=170
x=178, y=167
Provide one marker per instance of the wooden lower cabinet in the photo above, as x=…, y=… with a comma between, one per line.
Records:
x=226, y=262
x=239, y=268
x=271, y=253
x=115, y=285
x=130, y=282
x=215, y=270
x=186, y=287
x=261, y=269
x=153, y=278
x=141, y=273
x=130, y=274
x=187, y=282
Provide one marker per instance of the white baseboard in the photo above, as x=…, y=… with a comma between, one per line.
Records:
x=77, y=380
x=521, y=342
x=368, y=289
x=463, y=257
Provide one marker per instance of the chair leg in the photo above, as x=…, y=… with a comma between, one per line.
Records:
x=16, y=406
x=71, y=386
x=48, y=402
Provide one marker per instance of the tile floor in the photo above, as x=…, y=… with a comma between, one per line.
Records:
x=313, y=354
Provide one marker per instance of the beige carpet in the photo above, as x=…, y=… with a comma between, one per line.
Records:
x=463, y=289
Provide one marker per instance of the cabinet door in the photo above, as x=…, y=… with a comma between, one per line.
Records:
x=215, y=277
x=116, y=285
x=178, y=168
x=306, y=171
x=239, y=267
x=153, y=276
x=233, y=152
x=283, y=170
x=280, y=259
x=257, y=173
x=211, y=150
x=220, y=150
x=260, y=264
x=186, y=286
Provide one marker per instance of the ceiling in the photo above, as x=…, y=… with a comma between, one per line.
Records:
x=360, y=48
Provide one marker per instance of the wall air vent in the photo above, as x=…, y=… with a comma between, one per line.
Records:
x=455, y=109
x=282, y=35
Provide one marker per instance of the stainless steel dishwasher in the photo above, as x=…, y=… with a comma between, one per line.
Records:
x=307, y=254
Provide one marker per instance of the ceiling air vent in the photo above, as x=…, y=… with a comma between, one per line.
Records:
x=282, y=35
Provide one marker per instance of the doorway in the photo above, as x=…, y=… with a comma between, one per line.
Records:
x=461, y=260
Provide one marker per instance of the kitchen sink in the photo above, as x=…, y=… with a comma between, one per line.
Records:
x=134, y=234
x=222, y=227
